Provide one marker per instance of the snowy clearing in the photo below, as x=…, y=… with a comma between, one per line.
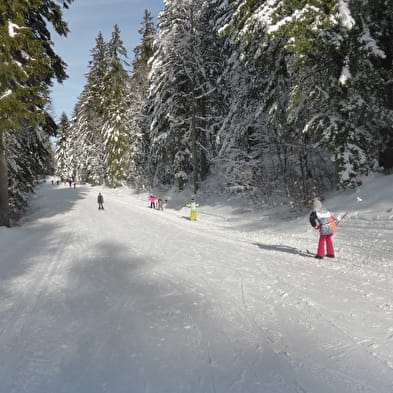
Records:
x=132, y=299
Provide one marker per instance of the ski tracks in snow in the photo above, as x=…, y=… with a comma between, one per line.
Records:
x=328, y=335
x=29, y=325
x=133, y=299
x=333, y=332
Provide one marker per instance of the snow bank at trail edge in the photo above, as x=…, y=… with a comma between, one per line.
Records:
x=376, y=194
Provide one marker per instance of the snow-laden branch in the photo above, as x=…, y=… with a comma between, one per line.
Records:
x=6, y=94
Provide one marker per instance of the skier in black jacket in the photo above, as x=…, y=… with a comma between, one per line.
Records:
x=100, y=201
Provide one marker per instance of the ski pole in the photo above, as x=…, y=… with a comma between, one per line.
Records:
x=358, y=200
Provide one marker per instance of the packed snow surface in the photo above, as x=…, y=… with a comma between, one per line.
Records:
x=136, y=300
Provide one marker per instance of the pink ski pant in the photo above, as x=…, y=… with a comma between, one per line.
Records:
x=325, y=240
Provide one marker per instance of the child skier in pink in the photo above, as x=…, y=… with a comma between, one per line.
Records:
x=324, y=222
x=152, y=201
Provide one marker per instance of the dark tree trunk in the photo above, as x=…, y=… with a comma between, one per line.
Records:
x=4, y=200
x=194, y=145
x=203, y=159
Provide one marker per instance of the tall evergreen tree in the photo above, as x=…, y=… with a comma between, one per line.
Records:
x=137, y=111
x=339, y=54
x=28, y=64
x=325, y=90
x=62, y=148
x=144, y=51
x=87, y=125
x=255, y=142
x=184, y=73
x=29, y=157
x=116, y=103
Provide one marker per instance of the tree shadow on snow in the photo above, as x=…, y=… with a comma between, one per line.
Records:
x=51, y=200
x=282, y=248
x=118, y=324
x=19, y=247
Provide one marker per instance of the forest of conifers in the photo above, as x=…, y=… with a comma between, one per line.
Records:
x=278, y=100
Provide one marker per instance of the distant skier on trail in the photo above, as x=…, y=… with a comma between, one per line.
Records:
x=100, y=201
x=324, y=222
x=193, y=206
x=160, y=203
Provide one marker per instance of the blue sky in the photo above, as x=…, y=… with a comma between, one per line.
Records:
x=86, y=18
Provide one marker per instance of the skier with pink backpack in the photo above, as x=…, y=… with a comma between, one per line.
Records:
x=322, y=220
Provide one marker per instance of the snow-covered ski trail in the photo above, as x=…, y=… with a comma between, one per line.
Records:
x=131, y=299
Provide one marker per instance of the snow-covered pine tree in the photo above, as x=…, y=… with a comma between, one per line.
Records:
x=368, y=78
x=322, y=61
x=86, y=142
x=144, y=51
x=211, y=102
x=184, y=73
x=28, y=64
x=243, y=91
x=339, y=57
x=29, y=157
x=303, y=167
x=115, y=120
x=62, y=148
x=87, y=125
x=137, y=111
x=170, y=153
x=253, y=151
